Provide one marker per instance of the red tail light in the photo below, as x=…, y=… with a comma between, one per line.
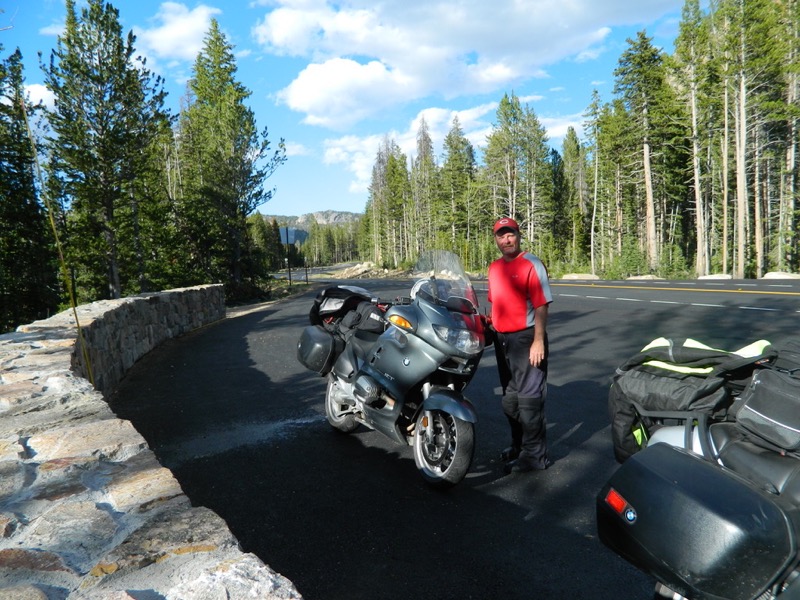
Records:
x=620, y=506
x=616, y=501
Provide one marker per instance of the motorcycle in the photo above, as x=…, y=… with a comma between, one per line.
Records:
x=407, y=379
x=711, y=509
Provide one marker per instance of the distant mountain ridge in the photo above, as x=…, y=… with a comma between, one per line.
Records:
x=296, y=228
x=323, y=217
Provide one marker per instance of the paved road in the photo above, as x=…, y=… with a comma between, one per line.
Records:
x=242, y=426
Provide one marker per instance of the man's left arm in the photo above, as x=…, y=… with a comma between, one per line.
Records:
x=537, y=351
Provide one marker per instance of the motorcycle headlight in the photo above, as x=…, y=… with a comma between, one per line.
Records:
x=463, y=340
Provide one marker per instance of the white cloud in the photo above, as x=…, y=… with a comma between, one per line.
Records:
x=357, y=153
x=557, y=127
x=295, y=149
x=39, y=94
x=53, y=29
x=589, y=54
x=341, y=92
x=367, y=57
x=178, y=33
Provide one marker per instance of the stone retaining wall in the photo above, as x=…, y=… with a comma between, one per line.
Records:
x=86, y=511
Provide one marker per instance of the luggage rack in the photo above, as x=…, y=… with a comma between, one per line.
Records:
x=688, y=420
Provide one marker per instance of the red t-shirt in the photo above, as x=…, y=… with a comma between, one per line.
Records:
x=516, y=288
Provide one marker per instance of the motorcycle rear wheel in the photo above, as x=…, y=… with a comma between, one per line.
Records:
x=337, y=409
x=443, y=447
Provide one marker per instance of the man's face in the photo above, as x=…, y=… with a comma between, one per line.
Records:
x=507, y=241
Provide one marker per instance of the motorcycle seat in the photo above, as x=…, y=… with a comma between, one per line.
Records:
x=768, y=469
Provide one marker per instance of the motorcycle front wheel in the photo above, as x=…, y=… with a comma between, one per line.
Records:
x=337, y=409
x=443, y=447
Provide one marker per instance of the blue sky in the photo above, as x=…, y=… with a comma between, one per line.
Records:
x=334, y=78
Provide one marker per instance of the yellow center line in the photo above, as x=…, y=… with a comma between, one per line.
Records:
x=675, y=289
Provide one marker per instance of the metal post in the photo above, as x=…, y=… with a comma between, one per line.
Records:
x=288, y=261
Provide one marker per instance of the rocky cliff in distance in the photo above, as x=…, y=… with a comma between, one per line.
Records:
x=325, y=217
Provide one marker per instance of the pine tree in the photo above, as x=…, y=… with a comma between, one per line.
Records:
x=537, y=178
x=108, y=109
x=458, y=182
x=28, y=273
x=692, y=53
x=225, y=163
x=423, y=217
x=373, y=225
x=640, y=82
x=575, y=196
x=592, y=128
x=787, y=242
x=503, y=156
x=399, y=206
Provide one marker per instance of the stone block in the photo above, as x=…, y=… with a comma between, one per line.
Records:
x=12, y=478
x=75, y=530
x=111, y=439
x=138, y=487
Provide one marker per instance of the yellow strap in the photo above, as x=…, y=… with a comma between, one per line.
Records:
x=679, y=369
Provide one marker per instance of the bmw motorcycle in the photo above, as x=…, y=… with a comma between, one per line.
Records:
x=407, y=379
x=711, y=509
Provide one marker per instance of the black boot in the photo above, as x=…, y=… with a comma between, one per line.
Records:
x=510, y=453
x=511, y=410
x=533, y=453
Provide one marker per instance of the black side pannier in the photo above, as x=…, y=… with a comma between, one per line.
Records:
x=703, y=531
x=318, y=348
x=672, y=379
x=770, y=404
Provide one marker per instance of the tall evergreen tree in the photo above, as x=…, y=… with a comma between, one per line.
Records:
x=423, y=215
x=28, y=271
x=640, y=81
x=752, y=39
x=504, y=156
x=458, y=179
x=536, y=181
x=226, y=162
x=399, y=206
x=575, y=195
x=692, y=53
x=108, y=108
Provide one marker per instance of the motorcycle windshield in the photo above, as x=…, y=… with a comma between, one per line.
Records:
x=441, y=279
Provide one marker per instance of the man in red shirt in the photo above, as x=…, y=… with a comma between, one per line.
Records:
x=519, y=291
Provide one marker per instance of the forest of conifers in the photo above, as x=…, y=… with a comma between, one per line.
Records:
x=689, y=168
x=120, y=196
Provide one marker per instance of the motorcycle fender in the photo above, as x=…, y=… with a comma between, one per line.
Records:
x=452, y=403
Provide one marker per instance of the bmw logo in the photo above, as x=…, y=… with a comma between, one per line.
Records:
x=630, y=515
